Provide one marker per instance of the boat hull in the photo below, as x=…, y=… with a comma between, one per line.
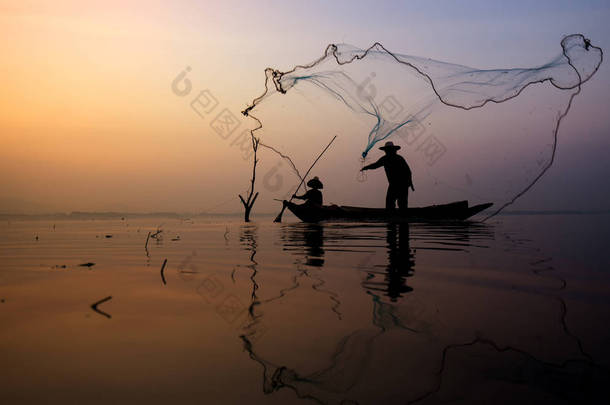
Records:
x=456, y=211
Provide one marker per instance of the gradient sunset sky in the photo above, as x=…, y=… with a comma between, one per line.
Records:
x=89, y=121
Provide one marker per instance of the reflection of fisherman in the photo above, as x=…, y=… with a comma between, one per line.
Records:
x=401, y=261
x=314, y=195
x=399, y=176
x=400, y=265
x=314, y=242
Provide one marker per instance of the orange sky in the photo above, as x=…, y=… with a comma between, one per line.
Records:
x=88, y=120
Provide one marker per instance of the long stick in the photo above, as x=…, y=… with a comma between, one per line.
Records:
x=279, y=216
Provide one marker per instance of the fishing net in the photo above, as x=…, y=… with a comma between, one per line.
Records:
x=467, y=133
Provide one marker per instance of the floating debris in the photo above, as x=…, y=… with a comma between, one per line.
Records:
x=58, y=266
x=2, y=301
x=108, y=236
x=162, y=274
x=177, y=238
x=88, y=264
x=36, y=237
x=99, y=311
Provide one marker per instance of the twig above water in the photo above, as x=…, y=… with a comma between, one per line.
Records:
x=146, y=244
x=251, y=196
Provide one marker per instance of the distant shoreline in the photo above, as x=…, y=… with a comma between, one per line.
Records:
x=554, y=212
x=76, y=215
x=121, y=215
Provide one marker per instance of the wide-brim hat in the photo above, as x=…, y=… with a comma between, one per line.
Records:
x=315, y=183
x=390, y=146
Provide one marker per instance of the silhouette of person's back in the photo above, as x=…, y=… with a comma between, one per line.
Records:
x=314, y=195
x=399, y=176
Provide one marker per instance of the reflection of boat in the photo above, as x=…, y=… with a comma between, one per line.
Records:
x=355, y=359
x=453, y=211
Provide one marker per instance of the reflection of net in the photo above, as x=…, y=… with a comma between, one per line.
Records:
x=425, y=94
x=330, y=385
x=352, y=370
x=347, y=364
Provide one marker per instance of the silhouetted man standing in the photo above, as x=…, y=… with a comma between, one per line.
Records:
x=399, y=176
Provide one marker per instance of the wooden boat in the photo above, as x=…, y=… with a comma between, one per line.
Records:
x=455, y=211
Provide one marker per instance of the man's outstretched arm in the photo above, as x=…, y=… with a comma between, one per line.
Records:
x=375, y=165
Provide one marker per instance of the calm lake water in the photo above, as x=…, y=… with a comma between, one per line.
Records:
x=516, y=309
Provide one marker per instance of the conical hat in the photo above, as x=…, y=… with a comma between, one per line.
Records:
x=315, y=183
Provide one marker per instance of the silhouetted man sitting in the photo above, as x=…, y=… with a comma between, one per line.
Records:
x=314, y=195
x=399, y=176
